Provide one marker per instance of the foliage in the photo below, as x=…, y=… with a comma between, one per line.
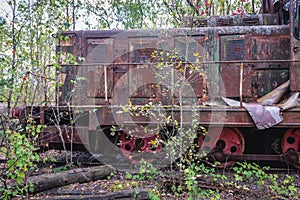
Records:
x=269, y=182
x=27, y=42
x=146, y=172
x=18, y=151
x=27, y=78
x=153, y=194
x=115, y=14
x=164, y=13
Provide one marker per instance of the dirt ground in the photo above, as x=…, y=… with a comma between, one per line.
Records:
x=123, y=185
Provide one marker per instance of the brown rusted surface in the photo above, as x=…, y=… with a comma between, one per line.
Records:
x=108, y=47
x=295, y=74
x=235, y=20
x=230, y=76
x=64, y=134
x=227, y=117
x=264, y=81
x=96, y=81
x=119, y=68
x=142, y=82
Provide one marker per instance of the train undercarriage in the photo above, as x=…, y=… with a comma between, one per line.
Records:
x=233, y=138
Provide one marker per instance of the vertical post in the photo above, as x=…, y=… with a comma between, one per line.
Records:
x=241, y=83
x=105, y=83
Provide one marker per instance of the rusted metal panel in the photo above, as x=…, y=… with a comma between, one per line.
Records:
x=141, y=77
x=120, y=68
x=121, y=50
x=234, y=20
x=99, y=77
x=64, y=76
x=234, y=47
x=230, y=75
x=255, y=83
x=66, y=49
x=74, y=135
x=291, y=118
x=66, y=46
x=294, y=76
x=272, y=47
x=121, y=86
x=191, y=51
x=142, y=81
x=207, y=116
x=51, y=116
x=197, y=82
x=99, y=50
x=96, y=81
x=141, y=49
x=108, y=116
x=212, y=53
x=264, y=81
x=188, y=47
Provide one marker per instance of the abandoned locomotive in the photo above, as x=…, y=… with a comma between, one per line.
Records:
x=236, y=76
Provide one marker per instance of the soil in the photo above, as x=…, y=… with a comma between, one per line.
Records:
x=127, y=184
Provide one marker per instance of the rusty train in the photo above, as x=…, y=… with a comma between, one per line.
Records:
x=236, y=76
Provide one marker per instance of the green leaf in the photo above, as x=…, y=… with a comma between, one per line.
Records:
x=4, y=149
x=128, y=175
x=19, y=180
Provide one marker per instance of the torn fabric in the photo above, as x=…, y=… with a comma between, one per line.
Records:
x=263, y=116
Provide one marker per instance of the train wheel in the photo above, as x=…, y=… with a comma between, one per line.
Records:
x=291, y=146
x=223, y=141
x=136, y=149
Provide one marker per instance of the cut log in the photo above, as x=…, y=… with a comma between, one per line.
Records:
x=141, y=194
x=81, y=175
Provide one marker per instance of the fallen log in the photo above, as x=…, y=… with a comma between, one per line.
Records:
x=141, y=194
x=80, y=175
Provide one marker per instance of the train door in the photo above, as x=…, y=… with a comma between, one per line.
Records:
x=295, y=45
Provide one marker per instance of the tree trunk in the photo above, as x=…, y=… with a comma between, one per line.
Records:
x=49, y=181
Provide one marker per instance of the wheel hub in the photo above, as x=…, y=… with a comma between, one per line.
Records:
x=224, y=141
x=291, y=146
x=133, y=148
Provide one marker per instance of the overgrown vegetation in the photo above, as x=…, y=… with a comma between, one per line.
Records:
x=27, y=78
x=196, y=180
x=18, y=151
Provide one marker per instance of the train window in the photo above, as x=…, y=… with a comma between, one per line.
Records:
x=296, y=22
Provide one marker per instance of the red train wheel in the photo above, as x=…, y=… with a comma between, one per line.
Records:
x=224, y=140
x=291, y=143
x=152, y=144
x=134, y=148
x=127, y=144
